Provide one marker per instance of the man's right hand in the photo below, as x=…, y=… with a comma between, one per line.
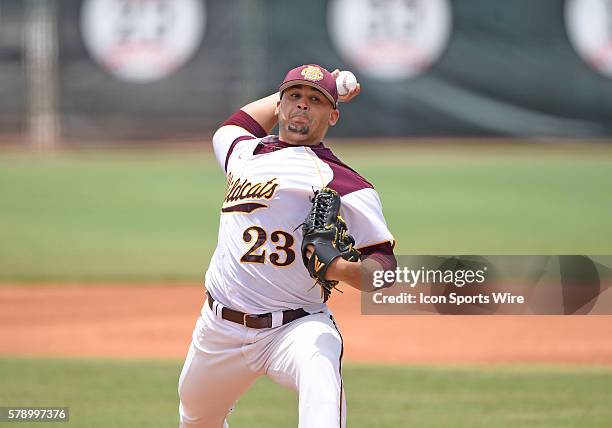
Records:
x=351, y=94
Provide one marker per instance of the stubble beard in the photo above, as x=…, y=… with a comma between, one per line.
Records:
x=298, y=129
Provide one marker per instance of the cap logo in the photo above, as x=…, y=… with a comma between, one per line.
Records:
x=312, y=73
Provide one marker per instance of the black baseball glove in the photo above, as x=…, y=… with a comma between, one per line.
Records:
x=326, y=231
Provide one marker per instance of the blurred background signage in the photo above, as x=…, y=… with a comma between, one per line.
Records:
x=109, y=71
x=589, y=27
x=142, y=41
x=392, y=39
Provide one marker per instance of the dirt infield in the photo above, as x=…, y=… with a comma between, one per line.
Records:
x=156, y=322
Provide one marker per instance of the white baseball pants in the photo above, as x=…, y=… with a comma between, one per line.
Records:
x=225, y=358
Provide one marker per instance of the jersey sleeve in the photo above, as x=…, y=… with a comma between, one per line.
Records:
x=362, y=211
x=238, y=127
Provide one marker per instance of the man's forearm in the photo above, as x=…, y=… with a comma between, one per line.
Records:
x=263, y=111
x=356, y=274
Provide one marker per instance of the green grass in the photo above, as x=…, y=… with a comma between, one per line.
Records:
x=152, y=215
x=105, y=393
x=108, y=216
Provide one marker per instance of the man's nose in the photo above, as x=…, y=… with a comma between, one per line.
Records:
x=303, y=106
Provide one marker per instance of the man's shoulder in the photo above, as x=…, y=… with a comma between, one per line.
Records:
x=345, y=179
x=244, y=121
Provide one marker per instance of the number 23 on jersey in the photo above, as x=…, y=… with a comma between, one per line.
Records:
x=284, y=254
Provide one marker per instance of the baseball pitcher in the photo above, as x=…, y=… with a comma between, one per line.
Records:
x=295, y=221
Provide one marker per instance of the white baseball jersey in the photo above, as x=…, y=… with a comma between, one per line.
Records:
x=257, y=266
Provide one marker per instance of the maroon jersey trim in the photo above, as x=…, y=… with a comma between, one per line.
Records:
x=245, y=121
x=346, y=180
x=231, y=149
x=270, y=144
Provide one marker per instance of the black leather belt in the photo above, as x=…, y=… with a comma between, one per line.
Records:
x=256, y=320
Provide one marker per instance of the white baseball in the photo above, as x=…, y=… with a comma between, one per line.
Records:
x=345, y=82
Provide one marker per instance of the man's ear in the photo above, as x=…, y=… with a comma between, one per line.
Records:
x=334, y=116
x=277, y=108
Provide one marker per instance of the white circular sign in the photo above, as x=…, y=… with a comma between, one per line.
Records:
x=390, y=39
x=589, y=28
x=142, y=40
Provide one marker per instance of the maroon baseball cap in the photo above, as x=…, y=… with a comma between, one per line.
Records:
x=315, y=76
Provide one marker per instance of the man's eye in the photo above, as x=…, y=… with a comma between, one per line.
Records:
x=294, y=95
x=316, y=99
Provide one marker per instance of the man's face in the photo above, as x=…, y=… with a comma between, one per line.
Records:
x=304, y=114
